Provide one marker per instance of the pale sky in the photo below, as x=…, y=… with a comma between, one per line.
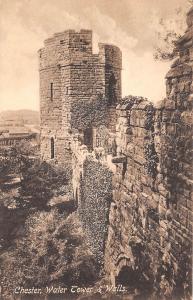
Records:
x=129, y=24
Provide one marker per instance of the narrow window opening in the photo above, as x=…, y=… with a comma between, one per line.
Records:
x=124, y=170
x=52, y=148
x=112, y=90
x=51, y=91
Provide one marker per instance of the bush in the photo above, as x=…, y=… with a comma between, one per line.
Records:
x=41, y=182
x=52, y=251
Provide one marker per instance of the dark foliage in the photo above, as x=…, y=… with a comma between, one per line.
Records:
x=52, y=251
x=40, y=183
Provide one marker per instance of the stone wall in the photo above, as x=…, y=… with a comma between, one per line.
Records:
x=150, y=230
x=134, y=208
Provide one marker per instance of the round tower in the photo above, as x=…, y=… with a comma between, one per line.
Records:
x=79, y=90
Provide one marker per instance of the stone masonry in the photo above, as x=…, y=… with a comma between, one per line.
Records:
x=151, y=216
x=79, y=90
x=132, y=165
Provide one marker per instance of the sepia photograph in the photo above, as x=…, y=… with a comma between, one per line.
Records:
x=96, y=149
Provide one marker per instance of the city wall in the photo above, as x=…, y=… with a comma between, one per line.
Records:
x=151, y=215
x=147, y=221
x=133, y=184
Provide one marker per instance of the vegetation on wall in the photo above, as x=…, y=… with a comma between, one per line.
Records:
x=90, y=113
x=96, y=194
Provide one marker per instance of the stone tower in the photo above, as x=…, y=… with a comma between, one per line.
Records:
x=72, y=79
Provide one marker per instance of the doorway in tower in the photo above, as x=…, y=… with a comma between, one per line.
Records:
x=88, y=138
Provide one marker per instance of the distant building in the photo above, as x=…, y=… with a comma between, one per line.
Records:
x=11, y=136
x=13, y=129
x=11, y=123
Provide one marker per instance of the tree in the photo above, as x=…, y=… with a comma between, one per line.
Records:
x=168, y=33
x=41, y=182
x=37, y=182
x=15, y=159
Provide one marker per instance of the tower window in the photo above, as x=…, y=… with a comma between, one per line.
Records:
x=112, y=90
x=52, y=148
x=97, y=141
x=51, y=91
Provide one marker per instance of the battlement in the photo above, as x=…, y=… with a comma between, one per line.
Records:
x=110, y=55
x=81, y=36
x=71, y=47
